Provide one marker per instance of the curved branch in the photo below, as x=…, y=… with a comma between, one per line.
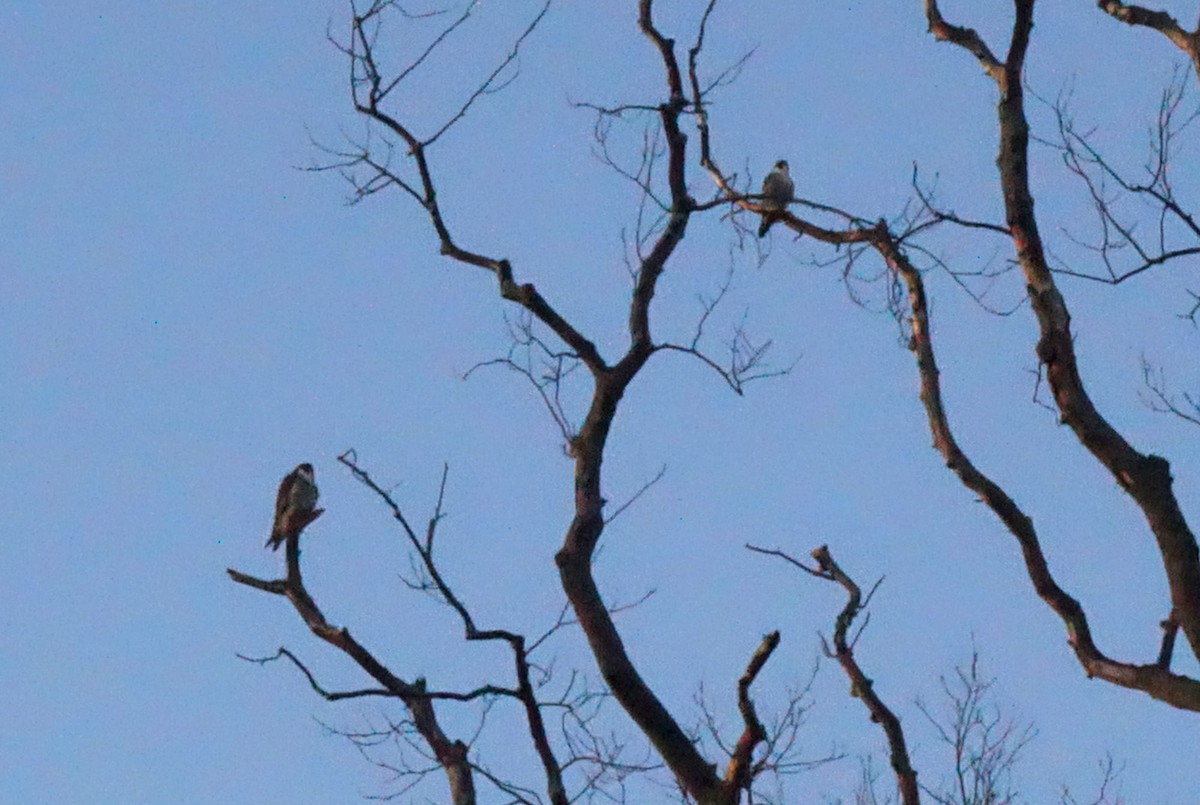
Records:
x=861, y=686
x=516, y=642
x=966, y=38
x=450, y=755
x=368, y=91
x=1145, y=477
x=1161, y=21
x=1176, y=690
x=740, y=772
x=331, y=696
x=574, y=560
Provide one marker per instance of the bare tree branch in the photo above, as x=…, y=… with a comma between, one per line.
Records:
x=331, y=696
x=369, y=89
x=1110, y=190
x=1162, y=401
x=861, y=686
x=1161, y=21
x=524, y=692
x=1145, y=477
x=985, y=745
x=740, y=772
x=450, y=755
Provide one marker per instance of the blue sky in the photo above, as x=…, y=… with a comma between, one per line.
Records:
x=186, y=316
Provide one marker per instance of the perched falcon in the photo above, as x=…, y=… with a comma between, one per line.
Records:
x=294, y=504
x=777, y=192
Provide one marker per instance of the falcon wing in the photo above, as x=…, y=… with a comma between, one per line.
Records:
x=285, y=493
x=282, y=501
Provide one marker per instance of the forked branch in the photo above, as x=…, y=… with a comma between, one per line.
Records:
x=861, y=686
x=1145, y=477
x=369, y=88
x=1152, y=678
x=424, y=545
x=450, y=755
x=1173, y=230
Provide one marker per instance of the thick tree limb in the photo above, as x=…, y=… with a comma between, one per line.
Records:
x=369, y=89
x=1161, y=21
x=1145, y=477
x=966, y=38
x=695, y=774
x=1154, y=679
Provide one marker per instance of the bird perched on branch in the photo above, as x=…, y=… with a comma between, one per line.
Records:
x=777, y=190
x=294, y=505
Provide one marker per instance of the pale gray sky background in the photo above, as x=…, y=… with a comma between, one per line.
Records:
x=185, y=316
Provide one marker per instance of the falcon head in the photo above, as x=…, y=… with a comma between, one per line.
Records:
x=781, y=166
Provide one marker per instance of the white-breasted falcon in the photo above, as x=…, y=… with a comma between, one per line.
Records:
x=777, y=190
